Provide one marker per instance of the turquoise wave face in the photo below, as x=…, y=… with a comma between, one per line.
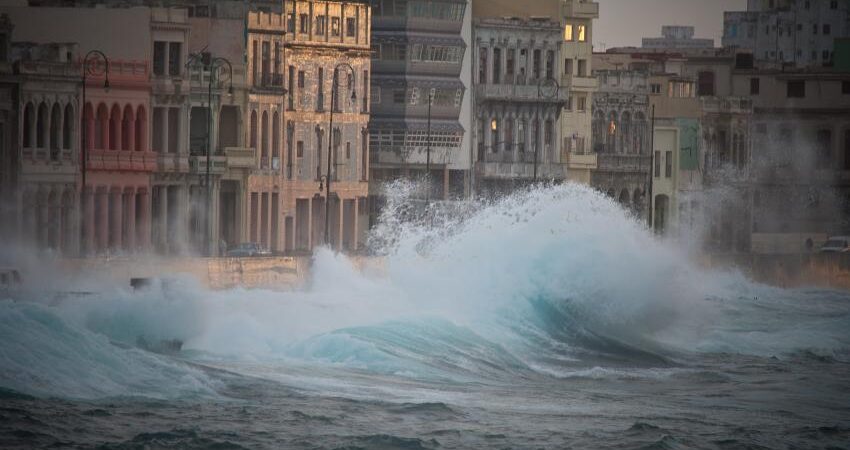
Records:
x=547, y=282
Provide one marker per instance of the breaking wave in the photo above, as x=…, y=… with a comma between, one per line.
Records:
x=555, y=281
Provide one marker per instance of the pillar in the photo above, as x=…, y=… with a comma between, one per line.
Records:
x=88, y=222
x=143, y=227
x=130, y=219
x=116, y=212
x=43, y=217
x=102, y=231
x=355, y=241
x=163, y=219
x=340, y=228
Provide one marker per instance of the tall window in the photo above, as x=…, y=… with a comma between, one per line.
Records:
x=335, y=26
x=568, y=33
x=482, y=65
x=494, y=135
x=657, y=164
x=304, y=23
x=510, y=64
x=582, y=35
x=497, y=65
x=706, y=84
x=668, y=164
x=509, y=135
x=174, y=59
x=755, y=86
x=582, y=67
x=550, y=64
x=159, y=48
x=536, y=65
x=350, y=27
x=320, y=85
x=321, y=25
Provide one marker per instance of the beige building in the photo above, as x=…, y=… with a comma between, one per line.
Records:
x=294, y=61
x=574, y=75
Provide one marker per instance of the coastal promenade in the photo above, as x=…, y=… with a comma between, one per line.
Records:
x=830, y=271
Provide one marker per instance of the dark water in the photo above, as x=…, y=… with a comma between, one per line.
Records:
x=528, y=326
x=721, y=402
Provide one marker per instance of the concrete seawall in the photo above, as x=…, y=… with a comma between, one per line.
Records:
x=285, y=273
x=822, y=270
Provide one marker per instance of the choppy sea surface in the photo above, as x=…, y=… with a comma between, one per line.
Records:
x=546, y=320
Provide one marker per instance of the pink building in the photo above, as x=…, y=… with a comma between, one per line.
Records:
x=116, y=198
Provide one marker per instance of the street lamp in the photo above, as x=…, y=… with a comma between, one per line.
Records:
x=546, y=89
x=214, y=66
x=90, y=67
x=327, y=178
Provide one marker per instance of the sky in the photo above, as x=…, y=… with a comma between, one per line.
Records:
x=624, y=22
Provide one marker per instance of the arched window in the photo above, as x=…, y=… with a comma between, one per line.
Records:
x=624, y=198
x=29, y=118
x=128, y=128
x=627, y=144
x=640, y=126
x=101, y=133
x=264, y=136
x=55, y=123
x=115, y=128
x=611, y=133
x=599, y=131
x=141, y=124
x=253, y=137
x=41, y=126
x=68, y=127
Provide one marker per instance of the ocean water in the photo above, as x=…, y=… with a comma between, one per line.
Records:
x=546, y=320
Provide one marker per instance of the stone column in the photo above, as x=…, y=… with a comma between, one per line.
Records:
x=116, y=213
x=88, y=222
x=102, y=231
x=143, y=227
x=43, y=218
x=355, y=241
x=163, y=219
x=130, y=220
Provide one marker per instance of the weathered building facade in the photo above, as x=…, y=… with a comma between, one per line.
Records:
x=419, y=50
x=797, y=32
x=518, y=103
x=621, y=136
x=317, y=53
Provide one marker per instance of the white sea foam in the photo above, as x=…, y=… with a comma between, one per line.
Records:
x=557, y=280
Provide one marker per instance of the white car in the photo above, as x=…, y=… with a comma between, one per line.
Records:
x=836, y=244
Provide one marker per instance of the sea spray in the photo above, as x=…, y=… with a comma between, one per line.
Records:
x=550, y=281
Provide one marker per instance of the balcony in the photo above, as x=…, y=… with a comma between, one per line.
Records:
x=518, y=93
x=240, y=158
x=581, y=9
x=623, y=163
x=726, y=105
x=518, y=165
x=269, y=81
x=578, y=83
x=121, y=160
x=198, y=164
x=582, y=162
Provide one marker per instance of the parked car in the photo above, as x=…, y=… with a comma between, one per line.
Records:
x=248, y=249
x=836, y=244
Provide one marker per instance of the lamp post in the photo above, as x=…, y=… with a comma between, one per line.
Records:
x=327, y=177
x=90, y=67
x=214, y=65
x=546, y=89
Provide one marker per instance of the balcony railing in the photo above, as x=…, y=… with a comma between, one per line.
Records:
x=269, y=81
x=519, y=93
